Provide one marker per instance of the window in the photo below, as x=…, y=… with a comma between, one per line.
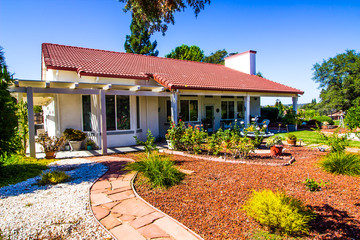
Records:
x=227, y=110
x=86, y=112
x=110, y=113
x=137, y=112
x=189, y=110
x=168, y=111
x=240, y=109
x=117, y=112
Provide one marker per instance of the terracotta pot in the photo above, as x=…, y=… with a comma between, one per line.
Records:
x=291, y=142
x=276, y=150
x=50, y=155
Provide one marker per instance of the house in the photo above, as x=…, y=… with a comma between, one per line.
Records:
x=114, y=96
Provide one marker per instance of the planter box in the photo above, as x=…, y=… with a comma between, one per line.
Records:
x=75, y=145
x=291, y=142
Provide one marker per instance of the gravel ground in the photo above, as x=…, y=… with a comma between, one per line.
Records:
x=29, y=211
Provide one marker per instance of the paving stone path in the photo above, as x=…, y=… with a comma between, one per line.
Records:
x=126, y=216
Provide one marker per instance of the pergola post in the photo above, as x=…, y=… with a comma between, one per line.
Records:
x=30, y=106
x=174, y=107
x=294, y=102
x=247, y=110
x=103, y=122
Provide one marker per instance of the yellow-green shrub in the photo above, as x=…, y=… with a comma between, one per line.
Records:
x=279, y=212
x=53, y=177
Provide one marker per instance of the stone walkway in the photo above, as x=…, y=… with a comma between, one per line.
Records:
x=127, y=217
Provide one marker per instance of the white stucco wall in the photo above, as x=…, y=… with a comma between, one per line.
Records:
x=255, y=106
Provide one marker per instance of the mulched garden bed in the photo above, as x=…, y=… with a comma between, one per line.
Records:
x=209, y=200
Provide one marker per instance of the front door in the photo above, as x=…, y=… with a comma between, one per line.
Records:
x=209, y=119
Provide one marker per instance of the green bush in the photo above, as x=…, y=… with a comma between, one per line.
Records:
x=313, y=185
x=341, y=163
x=291, y=136
x=158, y=169
x=323, y=119
x=53, y=177
x=352, y=118
x=336, y=142
x=74, y=135
x=215, y=141
x=279, y=212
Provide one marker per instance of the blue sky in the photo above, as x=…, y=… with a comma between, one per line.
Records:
x=289, y=36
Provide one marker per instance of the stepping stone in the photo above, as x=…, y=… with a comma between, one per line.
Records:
x=146, y=220
x=133, y=206
x=99, y=198
x=100, y=212
x=122, y=195
x=126, y=232
x=110, y=222
x=153, y=231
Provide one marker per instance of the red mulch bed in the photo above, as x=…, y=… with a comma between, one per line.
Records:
x=209, y=200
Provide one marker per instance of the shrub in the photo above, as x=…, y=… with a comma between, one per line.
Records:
x=341, y=163
x=352, y=118
x=149, y=144
x=215, y=142
x=174, y=134
x=313, y=185
x=291, y=136
x=336, y=142
x=277, y=140
x=53, y=177
x=279, y=212
x=323, y=119
x=289, y=118
x=158, y=169
x=74, y=135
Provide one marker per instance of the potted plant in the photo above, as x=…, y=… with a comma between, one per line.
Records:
x=75, y=138
x=276, y=146
x=50, y=145
x=90, y=144
x=291, y=139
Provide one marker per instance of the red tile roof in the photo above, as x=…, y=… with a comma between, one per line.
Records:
x=171, y=73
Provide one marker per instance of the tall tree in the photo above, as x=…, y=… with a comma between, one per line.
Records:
x=159, y=13
x=9, y=141
x=339, y=79
x=139, y=40
x=184, y=52
x=217, y=57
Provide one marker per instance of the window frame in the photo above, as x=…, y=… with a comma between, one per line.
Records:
x=198, y=108
x=115, y=114
x=82, y=113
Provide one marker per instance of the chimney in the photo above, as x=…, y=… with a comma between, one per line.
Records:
x=243, y=62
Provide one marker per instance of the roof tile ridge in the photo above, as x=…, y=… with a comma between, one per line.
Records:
x=262, y=78
x=183, y=60
x=92, y=49
x=101, y=50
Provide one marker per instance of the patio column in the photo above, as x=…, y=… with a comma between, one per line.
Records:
x=294, y=102
x=103, y=122
x=30, y=106
x=174, y=107
x=247, y=110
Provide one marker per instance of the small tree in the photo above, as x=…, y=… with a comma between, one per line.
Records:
x=23, y=124
x=149, y=144
x=9, y=138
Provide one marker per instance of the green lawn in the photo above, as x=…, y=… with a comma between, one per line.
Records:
x=16, y=169
x=311, y=137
